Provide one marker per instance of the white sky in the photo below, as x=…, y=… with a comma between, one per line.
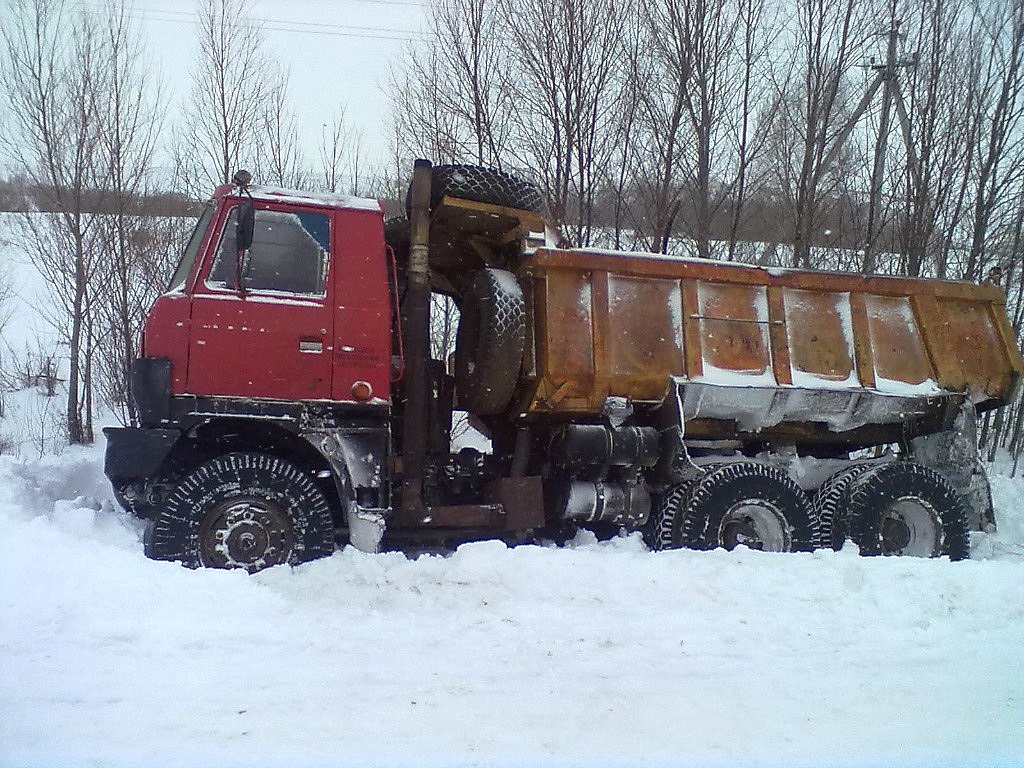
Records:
x=338, y=51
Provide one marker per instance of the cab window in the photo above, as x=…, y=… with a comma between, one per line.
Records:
x=189, y=256
x=288, y=255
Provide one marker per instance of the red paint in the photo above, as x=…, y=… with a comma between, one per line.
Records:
x=221, y=342
x=166, y=335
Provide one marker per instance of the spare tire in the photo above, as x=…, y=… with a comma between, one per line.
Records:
x=489, y=347
x=483, y=185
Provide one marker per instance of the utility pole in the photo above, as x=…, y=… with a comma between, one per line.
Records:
x=887, y=80
x=888, y=74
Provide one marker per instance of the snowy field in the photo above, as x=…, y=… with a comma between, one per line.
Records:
x=598, y=654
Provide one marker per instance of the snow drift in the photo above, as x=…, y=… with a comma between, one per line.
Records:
x=597, y=654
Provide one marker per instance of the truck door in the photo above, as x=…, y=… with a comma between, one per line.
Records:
x=272, y=339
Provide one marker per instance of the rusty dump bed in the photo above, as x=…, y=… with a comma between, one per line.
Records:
x=827, y=356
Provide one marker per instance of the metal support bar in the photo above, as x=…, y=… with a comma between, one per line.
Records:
x=415, y=438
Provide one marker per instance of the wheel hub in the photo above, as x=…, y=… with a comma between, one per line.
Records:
x=246, y=533
x=910, y=526
x=755, y=524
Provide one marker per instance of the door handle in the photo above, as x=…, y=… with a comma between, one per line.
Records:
x=312, y=346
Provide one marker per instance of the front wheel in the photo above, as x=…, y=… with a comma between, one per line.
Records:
x=243, y=510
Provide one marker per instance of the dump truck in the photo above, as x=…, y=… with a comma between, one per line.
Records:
x=289, y=402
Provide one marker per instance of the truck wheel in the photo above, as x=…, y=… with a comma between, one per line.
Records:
x=830, y=504
x=484, y=185
x=907, y=509
x=243, y=510
x=748, y=503
x=661, y=530
x=489, y=348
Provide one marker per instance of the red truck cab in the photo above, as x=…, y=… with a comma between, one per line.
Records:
x=311, y=318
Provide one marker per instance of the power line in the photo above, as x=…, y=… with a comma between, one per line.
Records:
x=282, y=25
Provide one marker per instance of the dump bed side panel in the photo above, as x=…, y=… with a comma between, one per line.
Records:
x=625, y=325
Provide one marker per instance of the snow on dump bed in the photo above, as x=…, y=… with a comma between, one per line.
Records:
x=598, y=654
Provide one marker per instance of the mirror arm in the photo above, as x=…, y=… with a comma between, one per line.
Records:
x=241, y=253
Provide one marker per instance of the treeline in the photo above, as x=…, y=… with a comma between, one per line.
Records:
x=21, y=196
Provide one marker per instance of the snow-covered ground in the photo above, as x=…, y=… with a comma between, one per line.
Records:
x=598, y=654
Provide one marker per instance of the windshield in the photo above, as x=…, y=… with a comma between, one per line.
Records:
x=191, y=250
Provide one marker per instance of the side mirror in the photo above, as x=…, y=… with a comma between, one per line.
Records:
x=246, y=226
x=244, y=231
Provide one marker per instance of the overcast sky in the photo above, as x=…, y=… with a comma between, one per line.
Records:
x=338, y=52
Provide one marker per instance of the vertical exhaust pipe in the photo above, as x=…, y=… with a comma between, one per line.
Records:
x=415, y=439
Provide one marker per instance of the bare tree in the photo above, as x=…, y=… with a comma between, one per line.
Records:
x=341, y=157
x=129, y=123
x=815, y=107
x=51, y=90
x=279, y=157
x=1001, y=151
x=6, y=312
x=334, y=143
x=703, y=113
x=755, y=104
x=231, y=85
x=6, y=296
x=425, y=126
x=452, y=96
x=570, y=76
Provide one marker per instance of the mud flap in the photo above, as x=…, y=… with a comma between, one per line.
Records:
x=365, y=528
x=135, y=453
x=954, y=455
x=356, y=460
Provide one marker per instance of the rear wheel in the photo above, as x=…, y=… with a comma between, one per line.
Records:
x=662, y=530
x=907, y=509
x=830, y=504
x=243, y=510
x=751, y=504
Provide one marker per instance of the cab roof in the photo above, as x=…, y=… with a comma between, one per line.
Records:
x=301, y=197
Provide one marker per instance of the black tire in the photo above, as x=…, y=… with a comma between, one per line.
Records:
x=243, y=510
x=747, y=503
x=489, y=347
x=907, y=509
x=831, y=502
x=661, y=530
x=483, y=185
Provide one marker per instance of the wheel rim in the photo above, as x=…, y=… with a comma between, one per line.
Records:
x=910, y=526
x=755, y=524
x=247, y=533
